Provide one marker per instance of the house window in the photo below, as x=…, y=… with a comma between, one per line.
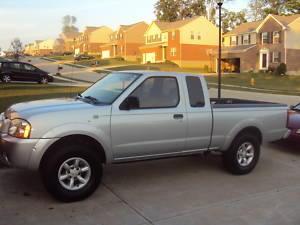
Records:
x=233, y=40
x=173, y=51
x=246, y=40
x=173, y=35
x=276, y=57
x=156, y=37
x=265, y=38
x=192, y=35
x=199, y=36
x=276, y=37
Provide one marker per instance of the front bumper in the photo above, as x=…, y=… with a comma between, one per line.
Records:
x=16, y=152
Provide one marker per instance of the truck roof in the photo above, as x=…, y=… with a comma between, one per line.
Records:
x=157, y=73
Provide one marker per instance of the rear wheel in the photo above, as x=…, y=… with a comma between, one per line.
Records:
x=243, y=154
x=72, y=173
x=6, y=78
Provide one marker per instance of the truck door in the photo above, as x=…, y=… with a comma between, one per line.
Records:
x=157, y=127
x=199, y=114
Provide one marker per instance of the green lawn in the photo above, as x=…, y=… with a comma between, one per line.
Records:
x=15, y=93
x=273, y=83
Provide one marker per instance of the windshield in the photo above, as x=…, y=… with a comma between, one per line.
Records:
x=297, y=107
x=110, y=87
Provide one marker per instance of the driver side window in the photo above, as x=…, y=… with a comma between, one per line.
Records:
x=157, y=92
x=29, y=67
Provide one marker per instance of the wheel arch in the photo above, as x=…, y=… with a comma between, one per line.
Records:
x=84, y=139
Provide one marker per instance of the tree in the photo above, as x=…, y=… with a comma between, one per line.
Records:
x=69, y=24
x=172, y=10
x=257, y=10
x=233, y=19
x=17, y=47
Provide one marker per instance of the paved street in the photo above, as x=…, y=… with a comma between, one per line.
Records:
x=182, y=191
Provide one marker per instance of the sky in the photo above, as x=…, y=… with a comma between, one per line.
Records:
x=32, y=20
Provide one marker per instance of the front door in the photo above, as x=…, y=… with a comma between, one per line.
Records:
x=264, y=60
x=30, y=73
x=156, y=128
x=16, y=71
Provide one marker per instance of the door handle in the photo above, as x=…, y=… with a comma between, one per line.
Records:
x=178, y=116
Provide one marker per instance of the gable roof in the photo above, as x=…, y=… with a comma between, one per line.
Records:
x=245, y=28
x=253, y=26
x=129, y=26
x=163, y=26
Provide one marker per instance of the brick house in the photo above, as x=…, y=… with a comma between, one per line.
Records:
x=69, y=39
x=188, y=43
x=263, y=45
x=125, y=42
x=90, y=40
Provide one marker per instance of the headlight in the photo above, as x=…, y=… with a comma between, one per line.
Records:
x=19, y=128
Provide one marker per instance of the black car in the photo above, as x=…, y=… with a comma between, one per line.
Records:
x=19, y=71
x=83, y=57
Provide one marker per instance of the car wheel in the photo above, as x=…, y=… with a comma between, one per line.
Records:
x=44, y=80
x=72, y=173
x=6, y=78
x=243, y=154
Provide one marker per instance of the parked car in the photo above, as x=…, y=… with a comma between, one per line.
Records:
x=130, y=116
x=294, y=123
x=20, y=71
x=83, y=57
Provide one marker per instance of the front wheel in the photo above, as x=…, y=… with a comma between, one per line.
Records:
x=72, y=172
x=243, y=154
x=43, y=80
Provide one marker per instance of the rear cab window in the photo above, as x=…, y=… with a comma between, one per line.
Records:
x=195, y=91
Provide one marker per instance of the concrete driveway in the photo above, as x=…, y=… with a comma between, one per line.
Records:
x=184, y=191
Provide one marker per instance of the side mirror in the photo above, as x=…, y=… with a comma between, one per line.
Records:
x=129, y=103
x=292, y=107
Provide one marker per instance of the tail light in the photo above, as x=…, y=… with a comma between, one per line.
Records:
x=289, y=113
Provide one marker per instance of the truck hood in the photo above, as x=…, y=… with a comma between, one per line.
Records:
x=28, y=109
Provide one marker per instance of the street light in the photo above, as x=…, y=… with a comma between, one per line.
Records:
x=220, y=3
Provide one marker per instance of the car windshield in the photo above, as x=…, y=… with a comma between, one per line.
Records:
x=297, y=107
x=110, y=87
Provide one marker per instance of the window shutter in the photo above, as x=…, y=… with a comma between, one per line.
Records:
x=249, y=39
x=279, y=57
x=280, y=34
x=270, y=34
x=261, y=38
x=271, y=57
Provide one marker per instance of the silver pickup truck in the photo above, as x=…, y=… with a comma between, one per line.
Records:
x=129, y=116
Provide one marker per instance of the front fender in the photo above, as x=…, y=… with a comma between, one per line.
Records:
x=102, y=136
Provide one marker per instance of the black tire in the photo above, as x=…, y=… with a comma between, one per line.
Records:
x=231, y=157
x=52, y=164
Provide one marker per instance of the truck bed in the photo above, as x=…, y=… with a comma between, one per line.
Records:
x=241, y=103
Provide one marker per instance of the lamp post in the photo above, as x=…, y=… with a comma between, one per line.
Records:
x=220, y=3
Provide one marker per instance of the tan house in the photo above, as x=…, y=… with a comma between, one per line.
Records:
x=69, y=39
x=125, y=42
x=51, y=46
x=188, y=43
x=90, y=40
x=28, y=50
x=263, y=45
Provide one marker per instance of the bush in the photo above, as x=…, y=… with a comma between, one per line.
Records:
x=281, y=69
x=271, y=69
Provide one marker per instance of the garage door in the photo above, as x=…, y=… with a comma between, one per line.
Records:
x=149, y=57
x=105, y=54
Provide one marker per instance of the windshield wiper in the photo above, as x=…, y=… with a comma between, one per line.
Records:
x=92, y=99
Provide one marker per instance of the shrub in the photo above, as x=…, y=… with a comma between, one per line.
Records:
x=281, y=69
x=271, y=69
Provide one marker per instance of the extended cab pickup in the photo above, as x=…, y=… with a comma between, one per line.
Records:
x=134, y=115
